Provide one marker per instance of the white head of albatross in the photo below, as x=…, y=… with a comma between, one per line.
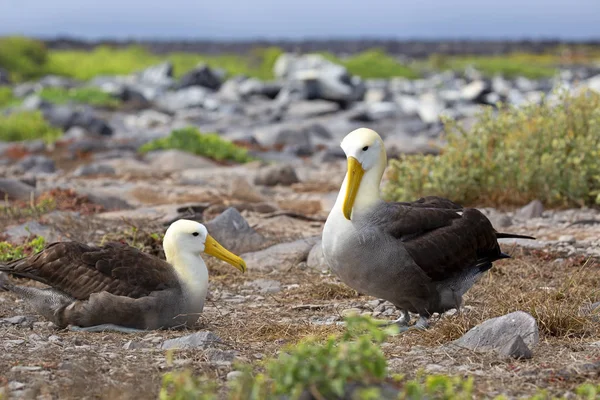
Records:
x=183, y=243
x=366, y=163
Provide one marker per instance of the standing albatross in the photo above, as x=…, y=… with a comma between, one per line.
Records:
x=422, y=256
x=118, y=287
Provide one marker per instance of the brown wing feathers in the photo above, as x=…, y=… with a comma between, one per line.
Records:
x=441, y=241
x=80, y=270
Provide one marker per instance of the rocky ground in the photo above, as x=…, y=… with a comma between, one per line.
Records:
x=93, y=186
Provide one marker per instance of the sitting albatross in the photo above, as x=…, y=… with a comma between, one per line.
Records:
x=422, y=256
x=118, y=287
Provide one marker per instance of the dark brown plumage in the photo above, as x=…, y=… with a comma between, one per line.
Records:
x=119, y=287
x=79, y=270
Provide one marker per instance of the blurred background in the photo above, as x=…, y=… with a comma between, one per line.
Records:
x=286, y=81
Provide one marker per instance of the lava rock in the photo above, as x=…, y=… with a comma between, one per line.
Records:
x=279, y=174
x=196, y=340
x=498, y=334
x=234, y=233
x=281, y=256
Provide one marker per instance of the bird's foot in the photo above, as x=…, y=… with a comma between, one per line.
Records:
x=403, y=321
x=105, y=328
x=422, y=324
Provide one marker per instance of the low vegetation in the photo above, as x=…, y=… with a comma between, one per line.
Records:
x=375, y=64
x=548, y=152
x=26, y=125
x=9, y=252
x=7, y=98
x=84, y=95
x=350, y=365
x=105, y=60
x=22, y=57
x=209, y=145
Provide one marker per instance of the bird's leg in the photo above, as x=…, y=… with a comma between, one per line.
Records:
x=47, y=302
x=105, y=328
x=404, y=319
x=422, y=323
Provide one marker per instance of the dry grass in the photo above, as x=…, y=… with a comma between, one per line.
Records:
x=259, y=325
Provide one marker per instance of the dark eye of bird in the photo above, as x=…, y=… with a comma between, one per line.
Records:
x=365, y=148
x=195, y=234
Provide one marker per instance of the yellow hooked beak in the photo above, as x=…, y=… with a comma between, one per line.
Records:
x=355, y=174
x=214, y=248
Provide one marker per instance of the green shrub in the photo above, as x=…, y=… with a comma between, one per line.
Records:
x=26, y=125
x=7, y=98
x=9, y=252
x=84, y=95
x=533, y=66
x=105, y=60
x=22, y=57
x=207, y=145
x=519, y=154
x=377, y=64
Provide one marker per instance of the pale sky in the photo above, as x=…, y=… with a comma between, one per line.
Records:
x=273, y=19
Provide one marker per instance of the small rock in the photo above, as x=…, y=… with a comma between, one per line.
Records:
x=233, y=232
x=234, y=375
x=202, y=75
x=534, y=209
x=202, y=339
x=570, y=239
x=25, y=368
x=273, y=175
x=94, y=169
x=16, y=320
x=15, y=385
x=36, y=165
x=281, y=256
x=54, y=339
x=131, y=345
x=265, y=285
x=493, y=334
x=21, y=232
x=221, y=357
x=15, y=189
x=516, y=348
x=351, y=311
x=316, y=258
x=241, y=190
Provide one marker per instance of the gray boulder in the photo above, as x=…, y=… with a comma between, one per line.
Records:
x=281, y=256
x=318, y=78
x=234, y=233
x=196, y=340
x=535, y=209
x=188, y=97
x=15, y=189
x=35, y=164
x=278, y=174
x=157, y=75
x=203, y=76
x=500, y=335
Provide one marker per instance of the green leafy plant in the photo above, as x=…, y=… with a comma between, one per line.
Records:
x=207, y=145
x=183, y=385
x=377, y=64
x=7, y=98
x=84, y=95
x=548, y=152
x=22, y=57
x=9, y=252
x=26, y=125
x=105, y=60
x=324, y=368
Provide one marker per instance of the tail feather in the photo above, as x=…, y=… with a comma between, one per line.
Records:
x=501, y=235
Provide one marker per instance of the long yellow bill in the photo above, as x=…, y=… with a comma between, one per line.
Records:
x=214, y=248
x=355, y=174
